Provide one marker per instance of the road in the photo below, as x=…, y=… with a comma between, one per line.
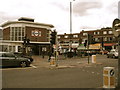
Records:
x=79, y=75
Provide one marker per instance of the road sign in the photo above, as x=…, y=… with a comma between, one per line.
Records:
x=112, y=72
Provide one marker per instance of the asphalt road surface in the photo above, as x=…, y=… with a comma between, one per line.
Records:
x=81, y=75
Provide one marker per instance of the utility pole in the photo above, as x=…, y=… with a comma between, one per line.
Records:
x=70, y=47
x=88, y=47
x=56, y=51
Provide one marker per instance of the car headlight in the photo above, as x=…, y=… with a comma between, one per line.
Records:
x=29, y=60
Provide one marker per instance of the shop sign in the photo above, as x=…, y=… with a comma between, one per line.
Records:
x=36, y=33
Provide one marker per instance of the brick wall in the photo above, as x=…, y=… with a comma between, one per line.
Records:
x=38, y=38
x=6, y=34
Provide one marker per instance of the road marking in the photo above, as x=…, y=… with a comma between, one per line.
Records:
x=33, y=66
x=19, y=68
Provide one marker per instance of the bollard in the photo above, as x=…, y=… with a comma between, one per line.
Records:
x=52, y=61
x=93, y=58
x=108, y=77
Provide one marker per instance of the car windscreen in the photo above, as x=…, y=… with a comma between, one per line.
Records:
x=9, y=55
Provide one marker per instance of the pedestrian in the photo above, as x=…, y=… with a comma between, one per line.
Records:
x=50, y=54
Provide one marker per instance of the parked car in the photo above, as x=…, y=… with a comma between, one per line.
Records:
x=104, y=52
x=112, y=54
x=10, y=59
x=20, y=54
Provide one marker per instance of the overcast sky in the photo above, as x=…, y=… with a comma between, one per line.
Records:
x=87, y=14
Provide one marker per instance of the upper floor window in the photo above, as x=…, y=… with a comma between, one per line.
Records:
x=84, y=34
x=104, y=32
x=65, y=36
x=105, y=39
x=17, y=33
x=58, y=36
x=96, y=39
x=75, y=36
x=96, y=33
x=110, y=32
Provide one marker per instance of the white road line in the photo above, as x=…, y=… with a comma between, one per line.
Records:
x=18, y=68
x=33, y=66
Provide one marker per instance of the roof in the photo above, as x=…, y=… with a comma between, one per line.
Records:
x=26, y=22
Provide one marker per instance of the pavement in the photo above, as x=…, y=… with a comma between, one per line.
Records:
x=61, y=62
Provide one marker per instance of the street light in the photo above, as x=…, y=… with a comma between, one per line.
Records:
x=70, y=25
x=116, y=32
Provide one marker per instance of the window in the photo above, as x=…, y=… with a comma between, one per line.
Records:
x=95, y=33
x=58, y=36
x=96, y=39
x=110, y=38
x=84, y=34
x=110, y=32
x=65, y=36
x=17, y=33
x=105, y=32
x=105, y=39
x=75, y=36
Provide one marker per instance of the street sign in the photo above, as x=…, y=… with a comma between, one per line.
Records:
x=112, y=72
x=36, y=33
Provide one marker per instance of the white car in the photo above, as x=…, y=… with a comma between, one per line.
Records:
x=112, y=54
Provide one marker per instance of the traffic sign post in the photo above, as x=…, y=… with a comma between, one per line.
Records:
x=108, y=77
x=116, y=32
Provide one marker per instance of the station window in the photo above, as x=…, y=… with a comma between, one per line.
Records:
x=17, y=33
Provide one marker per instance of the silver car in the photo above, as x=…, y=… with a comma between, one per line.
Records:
x=112, y=54
x=10, y=59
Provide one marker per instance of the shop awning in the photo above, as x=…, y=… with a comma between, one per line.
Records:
x=109, y=44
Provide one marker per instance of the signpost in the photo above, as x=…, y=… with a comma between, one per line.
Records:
x=116, y=32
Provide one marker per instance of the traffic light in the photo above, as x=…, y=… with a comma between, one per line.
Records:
x=85, y=43
x=26, y=41
x=53, y=37
x=90, y=39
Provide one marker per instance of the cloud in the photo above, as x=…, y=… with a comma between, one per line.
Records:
x=5, y=17
x=81, y=8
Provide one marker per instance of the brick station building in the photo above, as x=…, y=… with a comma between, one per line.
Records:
x=14, y=33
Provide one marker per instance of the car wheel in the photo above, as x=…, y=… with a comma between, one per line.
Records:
x=23, y=64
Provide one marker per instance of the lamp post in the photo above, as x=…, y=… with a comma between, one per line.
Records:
x=70, y=47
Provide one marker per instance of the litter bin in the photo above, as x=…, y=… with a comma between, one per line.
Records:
x=52, y=61
x=93, y=58
x=108, y=77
